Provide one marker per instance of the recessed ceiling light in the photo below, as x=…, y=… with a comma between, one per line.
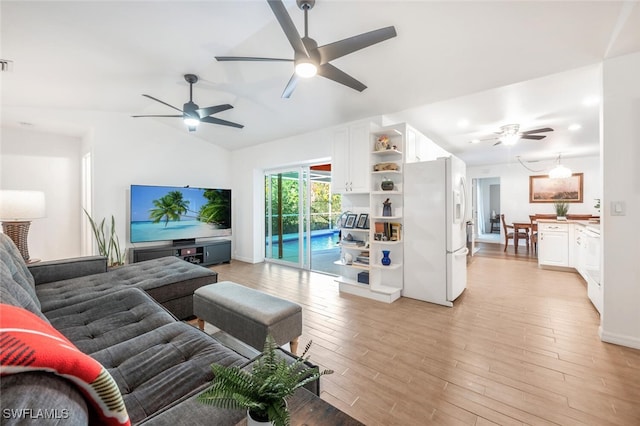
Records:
x=591, y=100
x=575, y=126
x=463, y=122
x=474, y=141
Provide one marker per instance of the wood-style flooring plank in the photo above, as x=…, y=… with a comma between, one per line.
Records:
x=520, y=346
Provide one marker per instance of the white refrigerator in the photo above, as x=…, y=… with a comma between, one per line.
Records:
x=435, y=250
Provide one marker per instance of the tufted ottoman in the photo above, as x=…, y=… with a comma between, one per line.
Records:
x=248, y=314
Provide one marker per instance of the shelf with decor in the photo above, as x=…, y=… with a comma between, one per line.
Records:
x=386, y=202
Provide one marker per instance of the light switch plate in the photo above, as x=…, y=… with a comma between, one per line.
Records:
x=618, y=208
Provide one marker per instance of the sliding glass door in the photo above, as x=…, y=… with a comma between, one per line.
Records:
x=286, y=224
x=300, y=218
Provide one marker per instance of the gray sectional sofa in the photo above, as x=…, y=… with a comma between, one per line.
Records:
x=158, y=362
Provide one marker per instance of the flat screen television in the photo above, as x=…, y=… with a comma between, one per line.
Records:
x=178, y=214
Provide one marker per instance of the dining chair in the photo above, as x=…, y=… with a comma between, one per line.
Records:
x=509, y=233
x=534, y=227
x=534, y=232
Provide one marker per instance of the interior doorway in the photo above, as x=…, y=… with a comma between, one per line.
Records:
x=300, y=218
x=486, y=209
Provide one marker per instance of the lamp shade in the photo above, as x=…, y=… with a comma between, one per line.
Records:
x=18, y=205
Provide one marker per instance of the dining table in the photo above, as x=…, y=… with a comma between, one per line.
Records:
x=517, y=226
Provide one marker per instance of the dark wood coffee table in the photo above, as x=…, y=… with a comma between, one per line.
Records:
x=309, y=410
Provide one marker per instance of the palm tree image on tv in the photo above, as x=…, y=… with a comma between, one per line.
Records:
x=217, y=210
x=170, y=207
x=165, y=213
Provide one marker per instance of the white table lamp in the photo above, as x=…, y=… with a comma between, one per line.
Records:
x=17, y=209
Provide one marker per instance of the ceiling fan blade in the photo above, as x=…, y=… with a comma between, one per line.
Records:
x=291, y=86
x=333, y=73
x=213, y=120
x=332, y=51
x=138, y=116
x=546, y=129
x=204, y=112
x=250, y=58
x=534, y=137
x=162, y=102
x=287, y=26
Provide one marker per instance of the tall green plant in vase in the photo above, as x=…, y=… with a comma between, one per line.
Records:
x=107, y=240
x=561, y=209
x=262, y=391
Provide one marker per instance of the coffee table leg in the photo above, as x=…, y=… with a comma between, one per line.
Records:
x=201, y=324
x=294, y=346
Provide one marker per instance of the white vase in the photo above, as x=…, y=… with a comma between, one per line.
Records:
x=252, y=422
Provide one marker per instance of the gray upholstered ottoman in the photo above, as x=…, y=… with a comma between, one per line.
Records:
x=248, y=314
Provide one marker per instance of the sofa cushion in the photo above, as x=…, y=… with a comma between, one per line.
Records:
x=164, y=365
x=113, y=318
x=64, y=269
x=12, y=293
x=30, y=344
x=29, y=396
x=158, y=277
x=11, y=257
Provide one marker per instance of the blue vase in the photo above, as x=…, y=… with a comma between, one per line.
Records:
x=386, y=261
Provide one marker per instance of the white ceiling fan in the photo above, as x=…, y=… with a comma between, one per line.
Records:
x=510, y=134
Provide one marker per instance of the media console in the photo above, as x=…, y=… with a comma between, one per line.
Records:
x=205, y=254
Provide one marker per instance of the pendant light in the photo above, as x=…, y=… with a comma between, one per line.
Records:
x=560, y=171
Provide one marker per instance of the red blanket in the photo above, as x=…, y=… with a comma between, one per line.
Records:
x=27, y=343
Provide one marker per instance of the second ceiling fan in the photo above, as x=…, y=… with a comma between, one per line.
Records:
x=510, y=134
x=309, y=58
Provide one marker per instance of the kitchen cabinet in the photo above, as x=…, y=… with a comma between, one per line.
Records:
x=579, y=249
x=350, y=161
x=553, y=244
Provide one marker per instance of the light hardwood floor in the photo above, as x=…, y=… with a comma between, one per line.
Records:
x=520, y=346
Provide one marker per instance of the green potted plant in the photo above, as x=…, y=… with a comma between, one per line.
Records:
x=263, y=390
x=107, y=241
x=561, y=209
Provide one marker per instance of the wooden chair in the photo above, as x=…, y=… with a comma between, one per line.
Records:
x=508, y=233
x=534, y=228
x=534, y=232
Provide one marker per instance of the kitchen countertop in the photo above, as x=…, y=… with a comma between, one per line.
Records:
x=592, y=226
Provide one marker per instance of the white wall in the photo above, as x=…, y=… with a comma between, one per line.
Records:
x=124, y=152
x=127, y=152
x=248, y=170
x=38, y=161
x=514, y=187
x=621, y=157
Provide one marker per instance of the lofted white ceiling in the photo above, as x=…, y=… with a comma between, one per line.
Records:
x=488, y=62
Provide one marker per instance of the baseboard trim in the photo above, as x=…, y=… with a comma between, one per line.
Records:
x=619, y=339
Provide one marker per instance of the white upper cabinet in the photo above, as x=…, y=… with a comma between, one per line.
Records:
x=421, y=148
x=350, y=161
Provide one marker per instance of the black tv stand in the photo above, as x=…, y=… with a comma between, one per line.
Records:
x=204, y=253
x=184, y=242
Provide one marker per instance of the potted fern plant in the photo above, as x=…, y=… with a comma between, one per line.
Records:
x=264, y=390
x=561, y=209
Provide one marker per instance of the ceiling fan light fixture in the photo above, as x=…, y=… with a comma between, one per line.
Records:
x=560, y=171
x=510, y=139
x=191, y=122
x=510, y=134
x=306, y=69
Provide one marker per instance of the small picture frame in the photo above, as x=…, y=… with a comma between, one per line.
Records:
x=351, y=221
x=363, y=221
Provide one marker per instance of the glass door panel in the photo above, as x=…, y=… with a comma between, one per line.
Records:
x=285, y=219
x=300, y=218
